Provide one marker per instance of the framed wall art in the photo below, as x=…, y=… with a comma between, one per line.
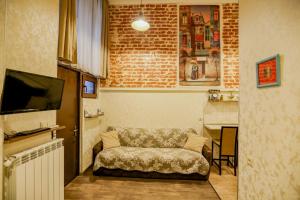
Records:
x=89, y=86
x=199, y=45
x=268, y=72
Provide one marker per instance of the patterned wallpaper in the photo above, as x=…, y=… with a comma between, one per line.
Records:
x=31, y=45
x=2, y=25
x=269, y=166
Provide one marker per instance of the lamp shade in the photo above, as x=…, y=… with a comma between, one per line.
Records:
x=140, y=24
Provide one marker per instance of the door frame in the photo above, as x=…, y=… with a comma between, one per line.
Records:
x=78, y=146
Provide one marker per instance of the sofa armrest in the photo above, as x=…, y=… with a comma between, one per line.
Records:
x=207, y=153
x=97, y=148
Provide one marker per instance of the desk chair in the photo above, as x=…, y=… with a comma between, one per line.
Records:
x=227, y=147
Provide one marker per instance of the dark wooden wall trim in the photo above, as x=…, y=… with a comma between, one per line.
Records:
x=69, y=66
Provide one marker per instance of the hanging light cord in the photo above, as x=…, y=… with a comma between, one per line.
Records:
x=141, y=11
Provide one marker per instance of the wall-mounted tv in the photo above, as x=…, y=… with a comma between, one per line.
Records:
x=27, y=92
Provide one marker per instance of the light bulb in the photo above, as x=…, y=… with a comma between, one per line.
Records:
x=140, y=24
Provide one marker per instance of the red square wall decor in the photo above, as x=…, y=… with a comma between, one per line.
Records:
x=268, y=72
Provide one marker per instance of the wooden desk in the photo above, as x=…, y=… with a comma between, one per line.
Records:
x=214, y=130
x=216, y=127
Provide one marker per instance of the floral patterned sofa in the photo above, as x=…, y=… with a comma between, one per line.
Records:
x=152, y=153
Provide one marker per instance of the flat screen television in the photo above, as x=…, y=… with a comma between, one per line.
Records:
x=27, y=92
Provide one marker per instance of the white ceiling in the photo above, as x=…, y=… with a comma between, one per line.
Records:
x=187, y=2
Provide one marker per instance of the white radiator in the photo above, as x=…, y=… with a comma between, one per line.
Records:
x=36, y=174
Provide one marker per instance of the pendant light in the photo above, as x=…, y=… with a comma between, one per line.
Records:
x=140, y=24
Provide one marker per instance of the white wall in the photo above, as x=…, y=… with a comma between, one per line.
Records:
x=153, y=110
x=90, y=129
x=269, y=139
x=164, y=109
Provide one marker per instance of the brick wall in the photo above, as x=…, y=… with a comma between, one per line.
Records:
x=230, y=47
x=149, y=59
x=143, y=59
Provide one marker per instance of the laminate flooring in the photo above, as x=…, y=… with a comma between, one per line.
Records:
x=87, y=186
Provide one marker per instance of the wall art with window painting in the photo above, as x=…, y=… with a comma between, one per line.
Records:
x=199, y=45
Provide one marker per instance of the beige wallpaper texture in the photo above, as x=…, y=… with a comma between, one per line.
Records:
x=269, y=117
x=31, y=46
x=2, y=26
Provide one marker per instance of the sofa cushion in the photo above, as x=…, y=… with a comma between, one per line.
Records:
x=161, y=138
x=163, y=160
x=195, y=142
x=110, y=139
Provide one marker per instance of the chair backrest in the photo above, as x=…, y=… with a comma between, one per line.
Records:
x=228, y=140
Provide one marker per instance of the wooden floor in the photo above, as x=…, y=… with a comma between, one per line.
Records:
x=226, y=184
x=110, y=188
